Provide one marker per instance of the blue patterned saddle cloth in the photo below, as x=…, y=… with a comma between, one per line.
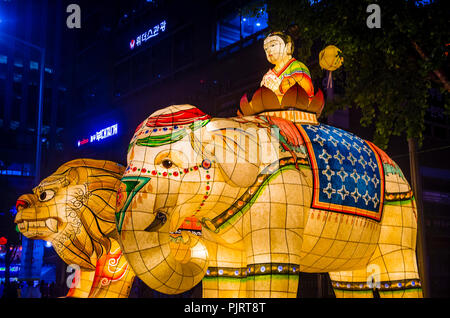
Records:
x=347, y=172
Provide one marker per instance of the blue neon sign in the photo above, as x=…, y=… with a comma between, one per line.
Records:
x=100, y=135
x=147, y=35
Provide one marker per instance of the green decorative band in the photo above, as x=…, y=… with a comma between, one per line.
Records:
x=132, y=187
x=159, y=140
x=398, y=196
x=382, y=286
x=174, y=136
x=254, y=270
x=130, y=146
x=240, y=206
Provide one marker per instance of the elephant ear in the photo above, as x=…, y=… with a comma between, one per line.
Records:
x=237, y=151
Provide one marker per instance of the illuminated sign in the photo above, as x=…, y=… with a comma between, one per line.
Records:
x=147, y=35
x=99, y=135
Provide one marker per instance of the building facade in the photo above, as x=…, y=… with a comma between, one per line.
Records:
x=26, y=28
x=156, y=54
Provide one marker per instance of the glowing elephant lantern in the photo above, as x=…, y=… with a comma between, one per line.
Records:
x=276, y=193
x=74, y=209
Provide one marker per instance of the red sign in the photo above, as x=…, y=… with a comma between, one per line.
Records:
x=3, y=241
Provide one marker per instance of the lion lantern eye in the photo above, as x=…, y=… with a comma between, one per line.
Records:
x=167, y=163
x=46, y=195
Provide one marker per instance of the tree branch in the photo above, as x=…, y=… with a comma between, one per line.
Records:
x=438, y=73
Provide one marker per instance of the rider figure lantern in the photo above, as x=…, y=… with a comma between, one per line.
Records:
x=279, y=48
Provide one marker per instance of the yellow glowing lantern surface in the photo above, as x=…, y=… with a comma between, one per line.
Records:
x=74, y=209
x=329, y=58
x=275, y=193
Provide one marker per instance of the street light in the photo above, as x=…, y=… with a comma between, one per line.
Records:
x=41, y=101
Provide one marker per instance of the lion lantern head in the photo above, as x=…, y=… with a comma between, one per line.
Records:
x=74, y=209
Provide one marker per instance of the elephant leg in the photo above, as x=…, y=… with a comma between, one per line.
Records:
x=272, y=285
x=351, y=284
x=272, y=264
x=392, y=269
x=223, y=287
x=225, y=277
x=396, y=273
x=394, y=260
x=272, y=230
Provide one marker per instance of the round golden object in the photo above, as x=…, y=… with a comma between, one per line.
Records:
x=329, y=58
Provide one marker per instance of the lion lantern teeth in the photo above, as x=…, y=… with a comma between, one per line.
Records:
x=52, y=225
x=36, y=224
x=23, y=226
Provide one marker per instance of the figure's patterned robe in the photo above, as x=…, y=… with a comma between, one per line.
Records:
x=293, y=72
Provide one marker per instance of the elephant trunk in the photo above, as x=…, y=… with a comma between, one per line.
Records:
x=166, y=262
x=177, y=265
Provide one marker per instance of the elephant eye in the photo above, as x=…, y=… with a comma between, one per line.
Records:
x=46, y=195
x=167, y=163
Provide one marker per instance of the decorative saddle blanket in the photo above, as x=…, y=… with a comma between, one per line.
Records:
x=347, y=172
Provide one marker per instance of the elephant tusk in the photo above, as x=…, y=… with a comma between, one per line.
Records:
x=158, y=222
x=208, y=224
x=185, y=237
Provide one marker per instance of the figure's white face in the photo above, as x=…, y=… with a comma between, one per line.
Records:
x=276, y=50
